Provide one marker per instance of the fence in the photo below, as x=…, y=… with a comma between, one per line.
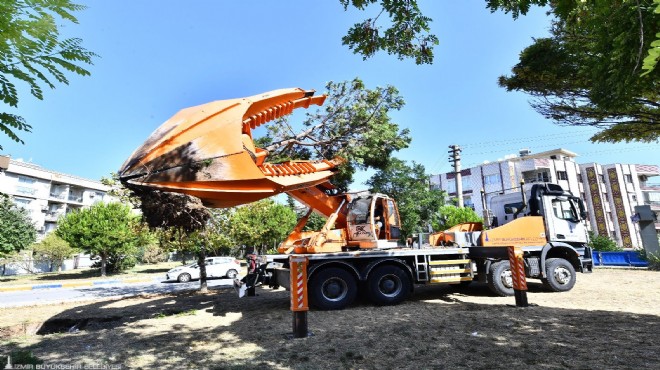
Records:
x=626, y=258
x=30, y=265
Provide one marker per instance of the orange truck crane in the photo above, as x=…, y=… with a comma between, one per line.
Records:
x=208, y=152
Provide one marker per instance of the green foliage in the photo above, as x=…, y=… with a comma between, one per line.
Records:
x=119, y=262
x=108, y=230
x=151, y=253
x=177, y=240
x=603, y=243
x=651, y=60
x=54, y=250
x=354, y=124
x=409, y=187
x=119, y=191
x=20, y=357
x=407, y=34
x=589, y=72
x=262, y=224
x=653, y=260
x=451, y=216
x=218, y=231
x=32, y=52
x=16, y=229
x=315, y=222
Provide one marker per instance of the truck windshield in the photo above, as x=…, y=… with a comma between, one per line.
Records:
x=563, y=209
x=358, y=211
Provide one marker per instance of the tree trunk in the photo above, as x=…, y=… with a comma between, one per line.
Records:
x=104, y=262
x=4, y=267
x=201, y=261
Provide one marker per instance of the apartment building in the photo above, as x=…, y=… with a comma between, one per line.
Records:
x=610, y=192
x=47, y=195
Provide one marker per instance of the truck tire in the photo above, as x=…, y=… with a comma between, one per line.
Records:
x=560, y=275
x=388, y=285
x=332, y=289
x=500, y=280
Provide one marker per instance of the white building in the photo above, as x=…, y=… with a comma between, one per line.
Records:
x=610, y=192
x=45, y=194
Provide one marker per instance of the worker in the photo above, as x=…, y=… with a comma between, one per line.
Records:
x=378, y=220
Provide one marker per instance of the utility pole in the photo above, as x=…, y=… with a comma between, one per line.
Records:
x=455, y=156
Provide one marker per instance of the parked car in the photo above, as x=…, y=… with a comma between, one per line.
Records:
x=216, y=267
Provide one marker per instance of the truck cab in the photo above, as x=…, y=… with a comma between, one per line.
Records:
x=563, y=214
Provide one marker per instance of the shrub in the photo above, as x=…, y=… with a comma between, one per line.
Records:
x=152, y=253
x=603, y=243
x=653, y=259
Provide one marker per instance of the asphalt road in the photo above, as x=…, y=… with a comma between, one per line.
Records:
x=119, y=290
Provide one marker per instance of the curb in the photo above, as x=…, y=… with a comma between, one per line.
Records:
x=74, y=285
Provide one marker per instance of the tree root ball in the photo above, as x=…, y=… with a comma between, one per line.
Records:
x=162, y=209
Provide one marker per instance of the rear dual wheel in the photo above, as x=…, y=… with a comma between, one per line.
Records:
x=500, y=280
x=388, y=285
x=332, y=289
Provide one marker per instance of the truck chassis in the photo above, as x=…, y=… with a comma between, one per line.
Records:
x=388, y=276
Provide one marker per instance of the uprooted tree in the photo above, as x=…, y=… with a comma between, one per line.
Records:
x=354, y=124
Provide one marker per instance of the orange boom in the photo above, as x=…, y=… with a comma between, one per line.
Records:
x=207, y=151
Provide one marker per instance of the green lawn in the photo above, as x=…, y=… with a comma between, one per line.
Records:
x=87, y=273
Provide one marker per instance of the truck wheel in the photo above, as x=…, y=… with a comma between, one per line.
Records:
x=388, y=285
x=560, y=275
x=332, y=289
x=500, y=280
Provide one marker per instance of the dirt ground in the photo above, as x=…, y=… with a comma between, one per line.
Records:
x=610, y=320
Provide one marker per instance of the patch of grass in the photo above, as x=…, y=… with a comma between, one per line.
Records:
x=176, y=313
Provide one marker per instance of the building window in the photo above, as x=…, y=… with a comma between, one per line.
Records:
x=26, y=180
x=628, y=178
x=561, y=175
x=579, y=177
x=465, y=183
x=542, y=177
x=492, y=179
x=22, y=202
x=602, y=178
x=25, y=190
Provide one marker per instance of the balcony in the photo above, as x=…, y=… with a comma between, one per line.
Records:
x=77, y=198
x=53, y=216
x=58, y=196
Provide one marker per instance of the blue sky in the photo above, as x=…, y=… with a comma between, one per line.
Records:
x=157, y=57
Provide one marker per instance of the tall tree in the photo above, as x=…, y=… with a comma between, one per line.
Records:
x=17, y=231
x=409, y=186
x=105, y=230
x=262, y=225
x=590, y=72
x=33, y=52
x=407, y=34
x=353, y=124
x=54, y=250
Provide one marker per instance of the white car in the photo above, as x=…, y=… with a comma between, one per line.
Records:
x=216, y=267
